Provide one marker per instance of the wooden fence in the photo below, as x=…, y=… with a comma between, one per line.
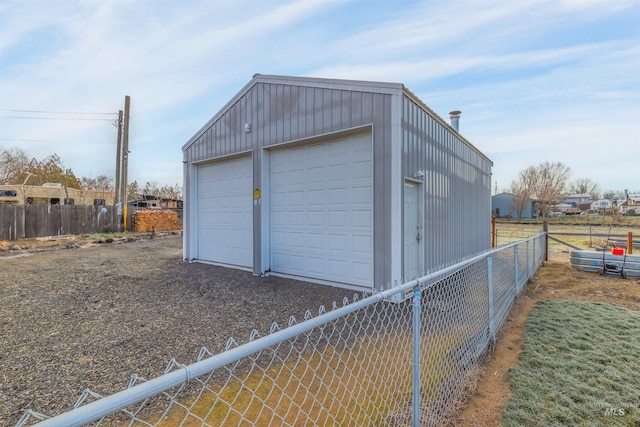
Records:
x=24, y=222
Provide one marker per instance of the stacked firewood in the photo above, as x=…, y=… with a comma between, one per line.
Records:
x=155, y=220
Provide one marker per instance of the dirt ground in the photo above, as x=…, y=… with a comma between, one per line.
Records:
x=92, y=315
x=107, y=306
x=554, y=280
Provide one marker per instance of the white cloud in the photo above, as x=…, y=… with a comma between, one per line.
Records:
x=407, y=71
x=520, y=71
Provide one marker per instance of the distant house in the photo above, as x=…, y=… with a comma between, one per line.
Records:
x=631, y=205
x=601, y=204
x=562, y=207
x=53, y=194
x=626, y=209
x=504, y=205
x=581, y=201
x=170, y=203
x=153, y=202
x=620, y=205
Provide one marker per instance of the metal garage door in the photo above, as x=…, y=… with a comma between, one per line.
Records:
x=321, y=211
x=225, y=212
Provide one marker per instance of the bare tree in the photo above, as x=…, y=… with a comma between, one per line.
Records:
x=104, y=183
x=544, y=182
x=151, y=189
x=88, y=183
x=521, y=189
x=133, y=191
x=547, y=181
x=165, y=192
x=99, y=183
x=14, y=166
x=611, y=194
x=585, y=186
x=170, y=192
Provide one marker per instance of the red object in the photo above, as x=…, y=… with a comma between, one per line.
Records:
x=617, y=251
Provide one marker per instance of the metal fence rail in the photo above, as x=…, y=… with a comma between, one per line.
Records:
x=369, y=362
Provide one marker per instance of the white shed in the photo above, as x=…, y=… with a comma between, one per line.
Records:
x=349, y=183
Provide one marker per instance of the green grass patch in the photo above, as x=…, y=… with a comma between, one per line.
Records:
x=580, y=365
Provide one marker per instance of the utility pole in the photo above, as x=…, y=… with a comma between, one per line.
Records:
x=118, y=158
x=125, y=157
x=118, y=196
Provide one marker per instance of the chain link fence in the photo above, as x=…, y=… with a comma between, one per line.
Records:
x=400, y=357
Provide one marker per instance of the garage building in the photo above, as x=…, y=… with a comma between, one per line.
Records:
x=349, y=183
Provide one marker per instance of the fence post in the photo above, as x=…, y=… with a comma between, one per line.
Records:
x=494, y=237
x=416, y=355
x=528, y=256
x=492, y=326
x=545, y=228
x=629, y=243
x=534, y=260
x=515, y=264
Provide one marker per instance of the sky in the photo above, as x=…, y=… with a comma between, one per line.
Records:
x=536, y=80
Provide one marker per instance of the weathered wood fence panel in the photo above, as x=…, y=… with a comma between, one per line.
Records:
x=11, y=222
x=20, y=222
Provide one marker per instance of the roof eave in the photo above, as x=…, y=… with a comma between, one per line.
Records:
x=421, y=103
x=219, y=114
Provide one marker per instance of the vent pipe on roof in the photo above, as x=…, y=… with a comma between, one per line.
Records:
x=455, y=119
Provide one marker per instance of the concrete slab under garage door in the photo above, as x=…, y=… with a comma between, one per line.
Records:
x=225, y=212
x=321, y=210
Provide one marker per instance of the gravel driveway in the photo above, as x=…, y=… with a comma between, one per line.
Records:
x=90, y=317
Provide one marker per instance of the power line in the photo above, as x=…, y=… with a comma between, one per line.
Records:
x=55, y=141
x=56, y=112
x=54, y=118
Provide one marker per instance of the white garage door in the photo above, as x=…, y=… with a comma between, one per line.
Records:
x=225, y=212
x=321, y=211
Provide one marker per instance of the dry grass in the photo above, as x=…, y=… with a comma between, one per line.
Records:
x=510, y=231
x=354, y=385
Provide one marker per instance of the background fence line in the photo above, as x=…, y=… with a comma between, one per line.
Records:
x=399, y=357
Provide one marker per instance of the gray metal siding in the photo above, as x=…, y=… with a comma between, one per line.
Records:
x=457, y=177
x=281, y=113
x=457, y=186
x=380, y=114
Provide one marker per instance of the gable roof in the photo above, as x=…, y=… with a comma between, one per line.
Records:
x=356, y=85
x=325, y=83
x=578, y=196
x=505, y=193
